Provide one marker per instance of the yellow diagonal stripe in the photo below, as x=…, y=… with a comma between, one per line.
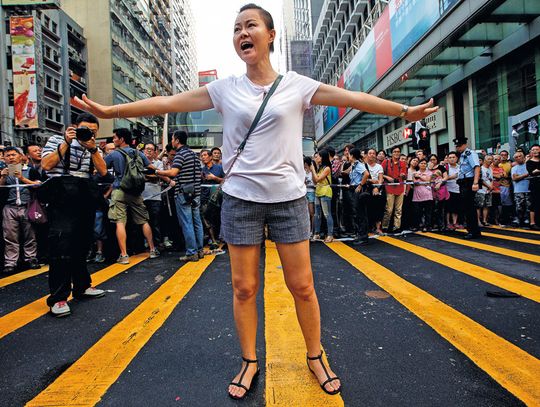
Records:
x=87, y=380
x=532, y=232
x=482, y=246
x=23, y=275
x=515, y=285
x=510, y=366
x=26, y=314
x=288, y=380
x=506, y=237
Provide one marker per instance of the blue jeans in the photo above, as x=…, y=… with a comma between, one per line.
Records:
x=189, y=218
x=323, y=203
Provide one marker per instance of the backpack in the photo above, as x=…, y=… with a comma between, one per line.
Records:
x=133, y=178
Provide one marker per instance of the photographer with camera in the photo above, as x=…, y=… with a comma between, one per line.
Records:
x=186, y=168
x=69, y=161
x=15, y=223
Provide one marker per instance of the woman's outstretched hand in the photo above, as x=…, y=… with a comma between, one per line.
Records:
x=416, y=113
x=101, y=111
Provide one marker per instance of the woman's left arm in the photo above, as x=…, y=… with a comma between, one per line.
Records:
x=328, y=95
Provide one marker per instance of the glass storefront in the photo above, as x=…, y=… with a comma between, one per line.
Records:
x=506, y=88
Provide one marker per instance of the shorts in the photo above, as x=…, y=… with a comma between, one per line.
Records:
x=121, y=202
x=482, y=200
x=454, y=203
x=310, y=196
x=523, y=201
x=243, y=222
x=506, y=196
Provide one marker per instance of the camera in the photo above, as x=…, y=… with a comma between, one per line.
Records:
x=84, y=133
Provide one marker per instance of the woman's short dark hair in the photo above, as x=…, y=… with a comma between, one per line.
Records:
x=434, y=155
x=356, y=153
x=307, y=160
x=265, y=15
x=325, y=158
x=423, y=159
x=86, y=117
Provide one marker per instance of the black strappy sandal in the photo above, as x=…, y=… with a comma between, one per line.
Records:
x=329, y=379
x=239, y=383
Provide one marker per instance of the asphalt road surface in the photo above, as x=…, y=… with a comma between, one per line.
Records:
x=406, y=321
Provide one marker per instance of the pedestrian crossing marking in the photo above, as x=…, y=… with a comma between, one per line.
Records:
x=533, y=232
x=512, y=367
x=23, y=275
x=482, y=246
x=88, y=379
x=288, y=379
x=506, y=237
x=28, y=313
x=495, y=278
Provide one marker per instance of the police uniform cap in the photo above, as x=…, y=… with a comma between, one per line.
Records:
x=458, y=141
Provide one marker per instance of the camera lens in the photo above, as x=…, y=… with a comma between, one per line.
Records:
x=84, y=133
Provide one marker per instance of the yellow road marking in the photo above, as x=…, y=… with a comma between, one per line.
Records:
x=23, y=275
x=87, y=380
x=515, y=285
x=506, y=237
x=510, y=366
x=482, y=246
x=26, y=314
x=533, y=232
x=288, y=379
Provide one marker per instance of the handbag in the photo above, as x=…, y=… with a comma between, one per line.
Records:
x=36, y=213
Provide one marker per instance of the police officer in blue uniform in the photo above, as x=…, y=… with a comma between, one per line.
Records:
x=468, y=179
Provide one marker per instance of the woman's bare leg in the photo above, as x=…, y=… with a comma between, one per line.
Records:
x=296, y=263
x=245, y=282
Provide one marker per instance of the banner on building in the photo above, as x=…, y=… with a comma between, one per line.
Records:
x=23, y=59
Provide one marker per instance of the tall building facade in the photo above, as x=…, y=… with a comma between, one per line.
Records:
x=478, y=59
x=44, y=62
x=137, y=49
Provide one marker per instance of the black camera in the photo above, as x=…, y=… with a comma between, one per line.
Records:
x=84, y=133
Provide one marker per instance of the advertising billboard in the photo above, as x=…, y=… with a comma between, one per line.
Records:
x=409, y=21
x=24, y=71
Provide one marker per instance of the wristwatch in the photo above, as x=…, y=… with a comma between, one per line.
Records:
x=404, y=110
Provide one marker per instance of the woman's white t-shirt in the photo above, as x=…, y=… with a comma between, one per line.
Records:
x=271, y=167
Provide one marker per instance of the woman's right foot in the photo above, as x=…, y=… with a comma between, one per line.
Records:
x=243, y=381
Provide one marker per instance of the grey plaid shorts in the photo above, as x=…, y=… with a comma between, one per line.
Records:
x=243, y=222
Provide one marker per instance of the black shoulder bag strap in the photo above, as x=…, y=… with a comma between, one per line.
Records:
x=253, y=125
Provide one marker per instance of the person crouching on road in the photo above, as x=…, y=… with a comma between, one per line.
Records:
x=72, y=198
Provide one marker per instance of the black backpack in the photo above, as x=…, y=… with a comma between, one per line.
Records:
x=133, y=178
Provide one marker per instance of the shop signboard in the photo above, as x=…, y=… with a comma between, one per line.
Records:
x=24, y=71
x=434, y=122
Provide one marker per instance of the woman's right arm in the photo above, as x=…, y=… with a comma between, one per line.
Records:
x=190, y=101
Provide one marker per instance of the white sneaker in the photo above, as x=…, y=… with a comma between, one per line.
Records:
x=60, y=309
x=123, y=259
x=92, y=292
x=167, y=244
x=154, y=253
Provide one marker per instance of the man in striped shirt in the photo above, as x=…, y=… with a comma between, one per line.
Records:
x=186, y=169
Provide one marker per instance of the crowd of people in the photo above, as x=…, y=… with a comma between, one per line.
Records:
x=363, y=192
x=119, y=197
x=74, y=202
